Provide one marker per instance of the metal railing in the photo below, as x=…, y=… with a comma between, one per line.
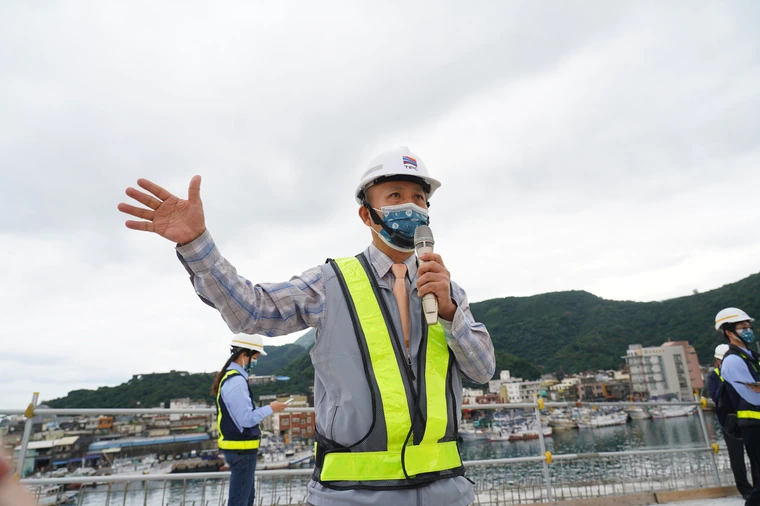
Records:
x=545, y=477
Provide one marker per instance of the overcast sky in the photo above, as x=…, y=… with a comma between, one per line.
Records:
x=612, y=147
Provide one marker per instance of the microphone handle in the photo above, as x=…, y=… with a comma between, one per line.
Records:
x=429, y=301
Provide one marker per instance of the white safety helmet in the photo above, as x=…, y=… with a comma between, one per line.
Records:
x=249, y=342
x=720, y=351
x=731, y=315
x=395, y=164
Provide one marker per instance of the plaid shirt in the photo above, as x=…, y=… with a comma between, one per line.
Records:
x=275, y=309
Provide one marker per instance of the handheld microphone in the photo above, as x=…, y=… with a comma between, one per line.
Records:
x=423, y=243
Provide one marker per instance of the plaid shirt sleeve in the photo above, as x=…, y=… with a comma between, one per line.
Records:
x=469, y=340
x=272, y=309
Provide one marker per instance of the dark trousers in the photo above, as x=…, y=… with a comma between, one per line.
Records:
x=735, y=449
x=751, y=437
x=242, y=479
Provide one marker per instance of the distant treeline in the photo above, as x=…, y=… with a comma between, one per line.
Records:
x=565, y=332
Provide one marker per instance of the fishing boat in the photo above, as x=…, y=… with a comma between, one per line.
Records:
x=638, y=413
x=273, y=460
x=54, y=495
x=672, y=411
x=563, y=423
x=468, y=432
x=605, y=420
x=298, y=459
x=500, y=435
x=141, y=466
x=517, y=432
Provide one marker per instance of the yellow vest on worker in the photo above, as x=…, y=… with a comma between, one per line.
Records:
x=389, y=451
x=230, y=437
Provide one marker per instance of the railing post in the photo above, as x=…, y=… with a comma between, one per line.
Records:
x=29, y=414
x=707, y=438
x=547, y=477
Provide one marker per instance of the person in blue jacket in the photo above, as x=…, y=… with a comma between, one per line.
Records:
x=734, y=446
x=741, y=371
x=237, y=417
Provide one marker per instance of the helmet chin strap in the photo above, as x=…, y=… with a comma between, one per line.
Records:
x=390, y=244
x=399, y=241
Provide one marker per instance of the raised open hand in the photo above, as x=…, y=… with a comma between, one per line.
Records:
x=178, y=220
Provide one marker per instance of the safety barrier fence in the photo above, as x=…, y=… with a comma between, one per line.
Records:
x=542, y=478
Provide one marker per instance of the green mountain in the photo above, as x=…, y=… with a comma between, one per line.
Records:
x=553, y=332
x=306, y=341
x=277, y=358
x=151, y=390
x=577, y=331
x=142, y=391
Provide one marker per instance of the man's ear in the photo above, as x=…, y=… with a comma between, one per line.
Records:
x=364, y=215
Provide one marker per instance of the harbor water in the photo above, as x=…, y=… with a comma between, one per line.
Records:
x=650, y=434
x=647, y=434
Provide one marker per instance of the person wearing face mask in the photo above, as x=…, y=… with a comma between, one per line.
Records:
x=387, y=386
x=734, y=445
x=741, y=370
x=238, y=419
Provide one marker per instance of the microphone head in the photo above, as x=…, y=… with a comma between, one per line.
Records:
x=423, y=235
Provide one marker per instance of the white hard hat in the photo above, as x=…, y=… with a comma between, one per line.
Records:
x=250, y=342
x=731, y=315
x=720, y=351
x=397, y=163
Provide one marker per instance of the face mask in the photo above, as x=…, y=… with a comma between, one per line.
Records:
x=402, y=219
x=747, y=336
x=249, y=367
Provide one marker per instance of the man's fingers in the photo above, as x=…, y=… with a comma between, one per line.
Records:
x=194, y=192
x=143, y=198
x=426, y=267
x=144, y=226
x=154, y=189
x=139, y=212
x=435, y=287
x=432, y=257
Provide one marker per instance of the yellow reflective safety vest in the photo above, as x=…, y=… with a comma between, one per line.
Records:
x=412, y=439
x=747, y=414
x=230, y=437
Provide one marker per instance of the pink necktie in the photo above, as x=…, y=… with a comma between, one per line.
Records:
x=402, y=298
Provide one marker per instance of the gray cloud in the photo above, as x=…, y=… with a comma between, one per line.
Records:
x=594, y=145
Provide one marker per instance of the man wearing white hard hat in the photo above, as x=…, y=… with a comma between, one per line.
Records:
x=740, y=370
x=734, y=446
x=388, y=369
x=238, y=419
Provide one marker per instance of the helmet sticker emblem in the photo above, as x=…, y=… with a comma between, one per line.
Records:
x=410, y=163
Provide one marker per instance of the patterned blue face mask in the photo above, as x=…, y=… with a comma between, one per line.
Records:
x=747, y=336
x=250, y=365
x=403, y=219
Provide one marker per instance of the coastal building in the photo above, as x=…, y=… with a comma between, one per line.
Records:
x=260, y=380
x=590, y=389
x=617, y=390
x=511, y=389
x=524, y=391
x=659, y=371
x=494, y=386
x=470, y=395
x=136, y=446
x=488, y=398
x=293, y=426
x=185, y=403
x=48, y=454
x=692, y=363
x=566, y=390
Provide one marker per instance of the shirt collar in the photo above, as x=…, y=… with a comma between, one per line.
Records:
x=238, y=368
x=382, y=262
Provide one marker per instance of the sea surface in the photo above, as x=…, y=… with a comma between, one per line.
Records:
x=635, y=435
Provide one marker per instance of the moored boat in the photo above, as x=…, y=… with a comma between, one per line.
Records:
x=638, y=413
